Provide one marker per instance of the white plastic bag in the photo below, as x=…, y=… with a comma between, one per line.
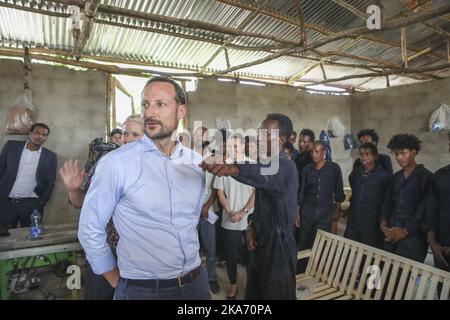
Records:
x=440, y=118
x=336, y=128
x=20, y=116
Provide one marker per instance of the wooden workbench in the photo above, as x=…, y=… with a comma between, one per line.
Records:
x=56, y=243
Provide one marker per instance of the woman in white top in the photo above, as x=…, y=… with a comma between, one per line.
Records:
x=237, y=200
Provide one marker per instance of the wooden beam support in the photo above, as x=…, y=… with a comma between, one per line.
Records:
x=301, y=22
x=241, y=27
x=87, y=20
x=351, y=8
x=323, y=71
x=302, y=73
x=404, y=47
x=389, y=72
x=27, y=76
x=351, y=33
x=324, y=31
x=448, y=50
x=185, y=23
x=437, y=29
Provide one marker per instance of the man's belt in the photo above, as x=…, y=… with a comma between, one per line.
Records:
x=167, y=283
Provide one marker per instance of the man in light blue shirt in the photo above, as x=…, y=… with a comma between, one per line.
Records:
x=155, y=201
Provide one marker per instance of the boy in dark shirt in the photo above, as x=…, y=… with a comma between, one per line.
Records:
x=406, y=201
x=368, y=184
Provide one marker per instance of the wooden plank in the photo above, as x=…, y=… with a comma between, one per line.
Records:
x=384, y=274
x=433, y=287
x=313, y=255
x=351, y=286
x=404, y=47
x=317, y=256
x=337, y=278
x=348, y=268
x=392, y=280
x=331, y=258
x=363, y=278
x=332, y=296
x=304, y=254
x=369, y=291
x=445, y=290
x=302, y=277
x=337, y=258
x=320, y=294
x=402, y=284
x=346, y=297
x=423, y=282
x=411, y=283
x=321, y=287
x=324, y=258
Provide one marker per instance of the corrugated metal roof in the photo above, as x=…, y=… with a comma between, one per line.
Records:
x=40, y=30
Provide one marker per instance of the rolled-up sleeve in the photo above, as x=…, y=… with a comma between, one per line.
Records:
x=98, y=207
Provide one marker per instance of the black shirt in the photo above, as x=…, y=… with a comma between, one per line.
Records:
x=407, y=199
x=320, y=189
x=439, y=220
x=301, y=161
x=384, y=161
x=367, y=194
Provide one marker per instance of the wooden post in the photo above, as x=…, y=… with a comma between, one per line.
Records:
x=404, y=47
x=27, y=85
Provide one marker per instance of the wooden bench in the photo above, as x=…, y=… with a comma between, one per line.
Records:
x=341, y=269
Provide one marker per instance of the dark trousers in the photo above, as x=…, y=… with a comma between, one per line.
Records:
x=307, y=234
x=96, y=286
x=14, y=214
x=412, y=247
x=195, y=290
x=367, y=234
x=234, y=242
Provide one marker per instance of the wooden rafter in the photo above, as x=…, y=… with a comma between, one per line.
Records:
x=351, y=33
x=301, y=21
x=185, y=23
x=389, y=72
x=311, y=26
x=323, y=71
x=437, y=29
x=87, y=20
x=241, y=27
x=404, y=47
x=351, y=8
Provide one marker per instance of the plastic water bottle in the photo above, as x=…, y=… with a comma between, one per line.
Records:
x=36, y=226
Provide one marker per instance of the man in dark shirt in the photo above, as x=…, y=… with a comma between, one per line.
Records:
x=307, y=137
x=320, y=198
x=438, y=223
x=369, y=135
x=270, y=235
x=368, y=184
x=305, y=141
x=407, y=199
x=292, y=139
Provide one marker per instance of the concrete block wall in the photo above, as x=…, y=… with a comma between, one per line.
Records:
x=405, y=109
x=72, y=103
x=245, y=106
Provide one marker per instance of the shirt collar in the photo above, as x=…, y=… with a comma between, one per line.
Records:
x=39, y=150
x=149, y=145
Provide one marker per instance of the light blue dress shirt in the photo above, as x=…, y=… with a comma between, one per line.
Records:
x=155, y=201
